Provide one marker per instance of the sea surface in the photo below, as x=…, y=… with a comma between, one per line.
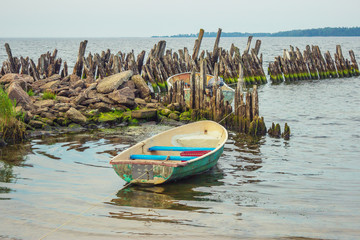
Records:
x=308, y=187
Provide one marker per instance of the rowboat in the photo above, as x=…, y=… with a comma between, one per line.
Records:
x=228, y=92
x=171, y=155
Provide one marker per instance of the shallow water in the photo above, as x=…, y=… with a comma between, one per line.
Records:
x=307, y=187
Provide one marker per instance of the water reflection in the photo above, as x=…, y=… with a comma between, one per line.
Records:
x=168, y=196
x=15, y=154
x=10, y=157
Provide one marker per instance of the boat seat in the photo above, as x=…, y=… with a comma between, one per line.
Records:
x=198, y=141
x=194, y=153
x=160, y=157
x=181, y=149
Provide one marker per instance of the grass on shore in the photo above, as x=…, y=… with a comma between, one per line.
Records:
x=11, y=129
x=48, y=95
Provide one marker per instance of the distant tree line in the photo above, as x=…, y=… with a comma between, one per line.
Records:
x=315, y=32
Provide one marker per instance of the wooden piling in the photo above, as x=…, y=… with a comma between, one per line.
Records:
x=13, y=65
x=79, y=63
x=197, y=45
x=215, y=53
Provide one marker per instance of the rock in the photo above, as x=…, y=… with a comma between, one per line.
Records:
x=80, y=107
x=48, y=116
x=78, y=84
x=111, y=83
x=24, y=85
x=64, y=93
x=173, y=116
x=144, y=114
x=62, y=99
x=62, y=107
x=130, y=84
x=140, y=102
x=174, y=106
x=90, y=88
x=165, y=112
x=74, y=78
x=90, y=101
x=92, y=94
x=153, y=105
x=10, y=77
x=44, y=103
x=36, y=124
x=185, y=116
x=48, y=121
x=50, y=86
x=102, y=107
x=123, y=96
x=141, y=86
x=77, y=90
x=80, y=98
x=75, y=116
x=38, y=111
x=89, y=80
x=170, y=122
x=61, y=121
x=37, y=85
x=65, y=80
x=15, y=92
x=104, y=99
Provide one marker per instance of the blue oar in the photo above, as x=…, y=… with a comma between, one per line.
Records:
x=160, y=157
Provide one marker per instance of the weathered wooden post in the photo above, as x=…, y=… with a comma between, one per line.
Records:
x=197, y=45
x=24, y=65
x=202, y=83
x=192, y=89
x=64, y=71
x=255, y=102
x=246, y=51
x=13, y=65
x=33, y=71
x=79, y=63
x=354, y=65
x=215, y=53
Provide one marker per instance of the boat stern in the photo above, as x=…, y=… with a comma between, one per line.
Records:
x=143, y=174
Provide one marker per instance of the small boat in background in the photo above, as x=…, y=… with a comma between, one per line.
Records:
x=171, y=155
x=227, y=91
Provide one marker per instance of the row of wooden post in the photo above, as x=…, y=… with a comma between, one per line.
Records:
x=47, y=65
x=311, y=65
x=159, y=65
x=245, y=117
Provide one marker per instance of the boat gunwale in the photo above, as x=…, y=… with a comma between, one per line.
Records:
x=165, y=163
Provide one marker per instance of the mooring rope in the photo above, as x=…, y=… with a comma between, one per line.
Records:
x=92, y=207
x=228, y=115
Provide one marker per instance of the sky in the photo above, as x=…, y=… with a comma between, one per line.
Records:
x=145, y=18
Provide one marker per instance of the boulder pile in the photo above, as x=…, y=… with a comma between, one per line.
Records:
x=122, y=97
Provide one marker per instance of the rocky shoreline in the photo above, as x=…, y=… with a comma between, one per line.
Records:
x=76, y=103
